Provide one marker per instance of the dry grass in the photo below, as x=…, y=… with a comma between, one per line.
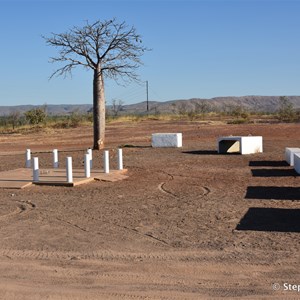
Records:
x=212, y=117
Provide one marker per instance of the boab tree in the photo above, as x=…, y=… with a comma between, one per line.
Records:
x=110, y=49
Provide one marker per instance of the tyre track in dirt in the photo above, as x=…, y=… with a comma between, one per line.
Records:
x=13, y=293
x=163, y=189
x=171, y=278
x=108, y=255
x=23, y=207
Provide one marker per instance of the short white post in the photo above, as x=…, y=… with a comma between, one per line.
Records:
x=106, y=161
x=90, y=152
x=87, y=165
x=69, y=169
x=55, y=158
x=120, y=159
x=28, y=158
x=36, y=171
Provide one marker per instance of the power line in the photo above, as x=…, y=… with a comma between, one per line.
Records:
x=132, y=94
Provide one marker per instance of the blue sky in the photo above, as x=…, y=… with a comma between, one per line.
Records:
x=201, y=49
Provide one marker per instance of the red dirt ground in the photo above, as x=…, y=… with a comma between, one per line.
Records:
x=187, y=223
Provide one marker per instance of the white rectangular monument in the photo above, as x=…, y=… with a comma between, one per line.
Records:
x=289, y=155
x=240, y=144
x=166, y=140
x=297, y=162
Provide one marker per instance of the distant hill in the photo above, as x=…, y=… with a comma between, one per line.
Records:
x=249, y=103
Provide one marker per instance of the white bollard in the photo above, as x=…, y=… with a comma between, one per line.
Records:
x=120, y=159
x=106, y=161
x=69, y=169
x=87, y=165
x=28, y=159
x=55, y=158
x=90, y=152
x=36, y=171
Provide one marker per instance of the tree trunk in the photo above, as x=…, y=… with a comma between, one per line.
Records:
x=98, y=109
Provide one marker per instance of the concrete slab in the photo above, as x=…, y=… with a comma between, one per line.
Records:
x=21, y=178
x=112, y=176
x=16, y=179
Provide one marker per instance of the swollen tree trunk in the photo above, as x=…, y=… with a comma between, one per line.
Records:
x=99, y=109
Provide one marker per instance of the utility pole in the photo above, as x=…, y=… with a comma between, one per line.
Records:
x=147, y=93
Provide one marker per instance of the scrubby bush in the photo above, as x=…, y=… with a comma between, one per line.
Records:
x=286, y=111
x=35, y=116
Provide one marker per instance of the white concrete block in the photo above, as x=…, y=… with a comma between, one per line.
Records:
x=289, y=155
x=297, y=162
x=166, y=140
x=240, y=144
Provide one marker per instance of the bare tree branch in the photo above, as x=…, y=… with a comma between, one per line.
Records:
x=107, y=43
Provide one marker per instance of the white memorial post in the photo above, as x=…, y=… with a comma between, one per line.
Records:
x=55, y=158
x=69, y=169
x=87, y=165
x=36, y=171
x=90, y=152
x=106, y=161
x=120, y=159
x=28, y=158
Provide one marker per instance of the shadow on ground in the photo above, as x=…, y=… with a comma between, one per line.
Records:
x=208, y=152
x=268, y=163
x=273, y=192
x=273, y=172
x=271, y=219
x=201, y=152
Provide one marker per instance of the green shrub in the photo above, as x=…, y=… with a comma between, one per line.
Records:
x=286, y=111
x=35, y=116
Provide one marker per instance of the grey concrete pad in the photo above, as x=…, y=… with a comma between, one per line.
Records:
x=21, y=178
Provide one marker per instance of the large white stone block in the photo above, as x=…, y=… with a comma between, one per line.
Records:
x=297, y=162
x=240, y=144
x=166, y=140
x=289, y=155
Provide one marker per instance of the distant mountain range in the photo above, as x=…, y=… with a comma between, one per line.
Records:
x=249, y=103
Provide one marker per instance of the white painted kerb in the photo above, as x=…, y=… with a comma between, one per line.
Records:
x=240, y=144
x=297, y=162
x=166, y=140
x=289, y=155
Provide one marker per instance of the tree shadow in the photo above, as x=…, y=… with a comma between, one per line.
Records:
x=273, y=192
x=134, y=146
x=271, y=219
x=273, y=172
x=201, y=152
x=268, y=163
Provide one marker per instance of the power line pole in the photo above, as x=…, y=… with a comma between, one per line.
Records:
x=147, y=93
